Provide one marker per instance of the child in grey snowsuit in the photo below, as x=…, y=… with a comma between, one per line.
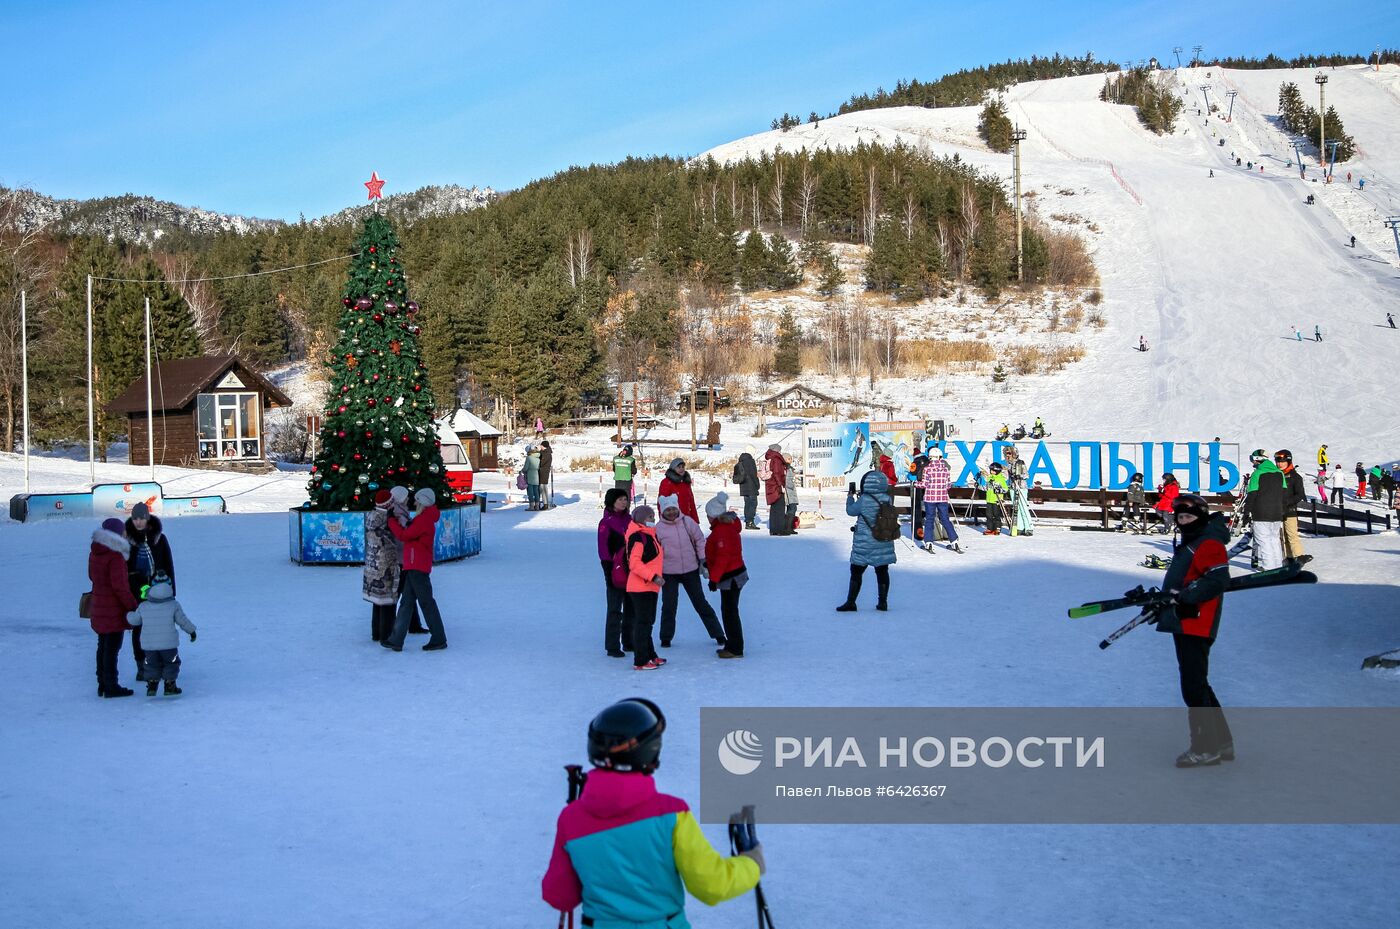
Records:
x=158, y=615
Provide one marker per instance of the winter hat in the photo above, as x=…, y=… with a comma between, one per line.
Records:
x=425, y=497
x=665, y=503
x=626, y=449
x=775, y=447
x=644, y=515
x=112, y=524
x=140, y=511
x=383, y=498
x=718, y=505
x=677, y=463
x=934, y=453
x=399, y=493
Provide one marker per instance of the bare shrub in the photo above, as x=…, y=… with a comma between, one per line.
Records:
x=928, y=355
x=1068, y=261
x=1026, y=359
x=1097, y=320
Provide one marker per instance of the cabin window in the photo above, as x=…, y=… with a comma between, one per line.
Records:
x=228, y=426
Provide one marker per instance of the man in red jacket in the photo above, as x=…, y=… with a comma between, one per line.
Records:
x=417, y=538
x=111, y=600
x=1196, y=579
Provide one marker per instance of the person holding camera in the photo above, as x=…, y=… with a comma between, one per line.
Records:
x=867, y=550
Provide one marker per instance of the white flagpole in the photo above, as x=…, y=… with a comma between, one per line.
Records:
x=150, y=414
x=24, y=368
x=92, y=430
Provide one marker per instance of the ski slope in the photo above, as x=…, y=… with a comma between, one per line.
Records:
x=1213, y=271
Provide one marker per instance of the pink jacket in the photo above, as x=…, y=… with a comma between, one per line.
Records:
x=935, y=480
x=682, y=545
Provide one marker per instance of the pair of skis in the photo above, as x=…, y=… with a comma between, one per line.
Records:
x=1152, y=602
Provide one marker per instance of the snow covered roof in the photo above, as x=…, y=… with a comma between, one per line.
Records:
x=463, y=422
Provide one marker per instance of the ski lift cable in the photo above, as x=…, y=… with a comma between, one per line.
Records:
x=226, y=277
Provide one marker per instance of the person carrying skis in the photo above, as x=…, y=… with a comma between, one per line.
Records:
x=934, y=483
x=1196, y=580
x=627, y=852
x=1264, y=507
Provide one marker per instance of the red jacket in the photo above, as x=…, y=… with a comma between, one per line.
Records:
x=681, y=490
x=724, y=549
x=645, y=560
x=417, y=539
x=887, y=469
x=112, y=598
x=777, y=478
x=1167, y=496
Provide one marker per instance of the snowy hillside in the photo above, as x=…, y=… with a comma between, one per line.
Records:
x=1213, y=271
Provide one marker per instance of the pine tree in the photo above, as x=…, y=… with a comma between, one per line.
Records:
x=995, y=126
x=830, y=276
x=378, y=425
x=755, y=262
x=783, y=273
x=787, y=358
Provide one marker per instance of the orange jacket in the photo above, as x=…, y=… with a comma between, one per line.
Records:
x=643, y=559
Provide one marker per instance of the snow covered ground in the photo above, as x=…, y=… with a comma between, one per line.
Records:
x=1213, y=271
x=309, y=778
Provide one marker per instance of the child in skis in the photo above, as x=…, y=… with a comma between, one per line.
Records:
x=724, y=559
x=1135, y=508
x=1196, y=579
x=158, y=615
x=997, y=492
x=628, y=853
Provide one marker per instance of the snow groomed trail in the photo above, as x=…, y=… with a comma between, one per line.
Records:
x=1213, y=271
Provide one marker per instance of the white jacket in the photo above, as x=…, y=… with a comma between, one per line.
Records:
x=158, y=616
x=1334, y=479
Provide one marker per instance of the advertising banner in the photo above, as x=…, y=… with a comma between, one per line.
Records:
x=834, y=454
x=106, y=500
x=339, y=538
x=898, y=440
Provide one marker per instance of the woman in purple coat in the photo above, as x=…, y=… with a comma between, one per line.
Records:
x=612, y=537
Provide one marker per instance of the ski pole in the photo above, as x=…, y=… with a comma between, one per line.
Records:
x=1148, y=615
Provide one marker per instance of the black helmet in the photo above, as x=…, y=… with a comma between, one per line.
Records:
x=1194, y=504
x=627, y=736
x=996, y=468
x=1283, y=455
x=1137, y=478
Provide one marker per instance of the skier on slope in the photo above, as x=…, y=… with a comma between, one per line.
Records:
x=628, y=853
x=1196, y=580
x=1317, y=333
x=1390, y=320
x=1142, y=343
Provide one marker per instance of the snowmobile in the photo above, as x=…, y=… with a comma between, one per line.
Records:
x=1156, y=561
x=1003, y=433
x=1020, y=432
x=1038, y=432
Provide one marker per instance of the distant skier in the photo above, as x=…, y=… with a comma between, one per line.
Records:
x=1317, y=333
x=1296, y=334
x=1142, y=343
x=1197, y=579
x=1390, y=320
x=1353, y=241
x=1212, y=172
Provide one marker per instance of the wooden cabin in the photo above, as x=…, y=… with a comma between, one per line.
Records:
x=477, y=436
x=208, y=409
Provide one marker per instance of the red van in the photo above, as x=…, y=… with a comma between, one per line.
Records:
x=457, y=465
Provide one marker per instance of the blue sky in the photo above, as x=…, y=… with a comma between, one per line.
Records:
x=277, y=109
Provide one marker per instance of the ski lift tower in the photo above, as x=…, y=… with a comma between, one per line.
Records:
x=1176, y=50
x=1229, y=117
x=1196, y=53
x=1205, y=92
x=1298, y=153
x=1321, y=81
x=1018, y=135
x=1332, y=159
x=1393, y=223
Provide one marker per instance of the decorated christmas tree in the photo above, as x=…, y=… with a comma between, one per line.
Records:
x=378, y=427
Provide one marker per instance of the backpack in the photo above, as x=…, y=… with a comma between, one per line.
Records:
x=886, y=525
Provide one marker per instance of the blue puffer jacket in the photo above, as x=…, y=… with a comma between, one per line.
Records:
x=865, y=548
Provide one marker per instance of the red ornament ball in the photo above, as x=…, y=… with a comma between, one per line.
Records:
x=348, y=302
x=404, y=439
x=340, y=433
x=379, y=317
x=417, y=387
x=376, y=377
x=390, y=282
x=358, y=457
x=368, y=434
x=370, y=401
x=373, y=249
x=342, y=408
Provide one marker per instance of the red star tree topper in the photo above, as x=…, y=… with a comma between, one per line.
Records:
x=375, y=185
